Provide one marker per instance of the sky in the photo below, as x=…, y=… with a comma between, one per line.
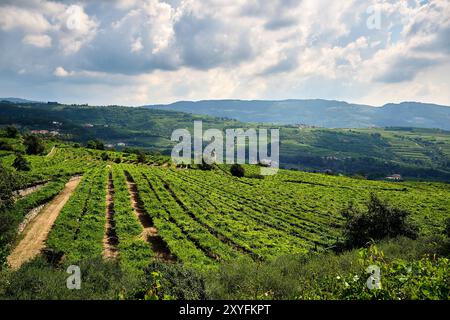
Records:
x=131, y=52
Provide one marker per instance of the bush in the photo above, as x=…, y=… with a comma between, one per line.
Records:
x=205, y=166
x=447, y=228
x=330, y=276
x=141, y=158
x=7, y=231
x=4, y=145
x=174, y=281
x=118, y=160
x=21, y=164
x=7, y=186
x=105, y=156
x=33, y=145
x=40, y=280
x=237, y=170
x=95, y=144
x=11, y=132
x=380, y=221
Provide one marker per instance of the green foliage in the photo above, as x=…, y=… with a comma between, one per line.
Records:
x=176, y=281
x=79, y=229
x=237, y=170
x=141, y=157
x=95, y=144
x=380, y=221
x=6, y=146
x=11, y=216
x=7, y=185
x=376, y=152
x=423, y=279
x=447, y=228
x=105, y=156
x=33, y=144
x=21, y=164
x=11, y=132
x=331, y=276
x=134, y=251
x=39, y=280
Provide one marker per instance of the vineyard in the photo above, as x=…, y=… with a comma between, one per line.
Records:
x=139, y=212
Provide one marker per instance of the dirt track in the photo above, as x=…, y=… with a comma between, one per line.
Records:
x=110, y=240
x=36, y=232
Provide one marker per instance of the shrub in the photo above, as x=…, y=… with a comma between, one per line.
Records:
x=33, y=145
x=175, y=281
x=105, y=156
x=95, y=144
x=237, y=170
x=141, y=158
x=4, y=145
x=39, y=279
x=7, y=219
x=447, y=228
x=21, y=164
x=404, y=275
x=205, y=166
x=380, y=221
x=11, y=132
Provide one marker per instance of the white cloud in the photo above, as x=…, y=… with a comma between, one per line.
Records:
x=191, y=49
x=76, y=29
x=61, y=72
x=18, y=18
x=37, y=40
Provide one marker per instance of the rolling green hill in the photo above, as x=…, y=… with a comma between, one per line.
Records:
x=375, y=153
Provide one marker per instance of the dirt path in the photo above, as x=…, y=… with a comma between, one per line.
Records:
x=35, y=234
x=110, y=240
x=150, y=233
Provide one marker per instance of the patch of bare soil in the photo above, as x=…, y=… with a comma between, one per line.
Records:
x=110, y=240
x=36, y=232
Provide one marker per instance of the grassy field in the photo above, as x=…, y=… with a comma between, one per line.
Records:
x=202, y=220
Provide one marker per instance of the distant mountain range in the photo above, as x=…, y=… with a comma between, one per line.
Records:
x=18, y=100
x=321, y=113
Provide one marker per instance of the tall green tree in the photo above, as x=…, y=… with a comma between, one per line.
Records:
x=21, y=164
x=33, y=144
x=12, y=132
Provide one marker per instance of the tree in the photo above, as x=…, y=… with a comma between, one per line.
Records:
x=33, y=145
x=237, y=170
x=21, y=164
x=141, y=157
x=96, y=144
x=4, y=145
x=12, y=132
x=378, y=222
x=105, y=156
x=7, y=185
